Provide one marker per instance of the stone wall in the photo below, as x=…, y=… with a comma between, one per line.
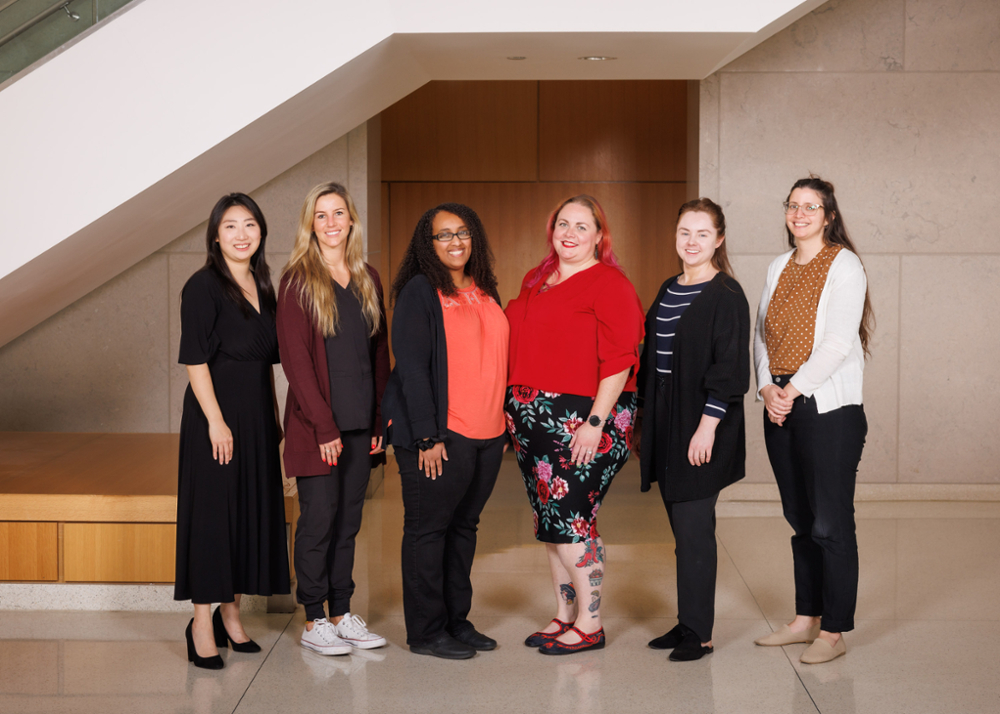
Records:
x=897, y=103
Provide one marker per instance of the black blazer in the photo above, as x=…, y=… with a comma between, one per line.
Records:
x=711, y=357
x=415, y=405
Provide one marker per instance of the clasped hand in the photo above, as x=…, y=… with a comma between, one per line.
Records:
x=778, y=401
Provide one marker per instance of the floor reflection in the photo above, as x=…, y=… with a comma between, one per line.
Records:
x=927, y=637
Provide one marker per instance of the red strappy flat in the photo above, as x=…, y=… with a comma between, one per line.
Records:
x=593, y=641
x=540, y=638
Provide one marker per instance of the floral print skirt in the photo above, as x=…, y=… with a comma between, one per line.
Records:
x=565, y=498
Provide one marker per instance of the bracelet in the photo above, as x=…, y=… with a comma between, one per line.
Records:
x=426, y=444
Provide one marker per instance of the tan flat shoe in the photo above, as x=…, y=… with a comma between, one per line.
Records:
x=821, y=651
x=784, y=636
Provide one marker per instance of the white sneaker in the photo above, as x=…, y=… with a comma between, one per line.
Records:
x=354, y=631
x=323, y=638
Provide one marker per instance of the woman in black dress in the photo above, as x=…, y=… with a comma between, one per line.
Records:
x=230, y=506
x=695, y=372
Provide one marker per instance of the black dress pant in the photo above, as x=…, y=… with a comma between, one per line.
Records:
x=815, y=460
x=693, y=526
x=440, y=523
x=329, y=520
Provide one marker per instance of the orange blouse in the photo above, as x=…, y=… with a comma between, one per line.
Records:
x=477, y=335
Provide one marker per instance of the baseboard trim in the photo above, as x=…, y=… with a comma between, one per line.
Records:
x=103, y=597
x=878, y=492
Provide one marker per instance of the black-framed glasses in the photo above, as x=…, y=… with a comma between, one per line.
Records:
x=808, y=208
x=447, y=236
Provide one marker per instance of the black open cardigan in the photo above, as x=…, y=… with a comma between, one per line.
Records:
x=415, y=405
x=711, y=357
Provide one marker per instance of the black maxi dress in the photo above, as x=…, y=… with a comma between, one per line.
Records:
x=230, y=518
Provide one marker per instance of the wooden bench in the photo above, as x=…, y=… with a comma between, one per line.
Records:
x=90, y=507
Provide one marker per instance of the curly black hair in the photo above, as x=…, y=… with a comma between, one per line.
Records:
x=421, y=258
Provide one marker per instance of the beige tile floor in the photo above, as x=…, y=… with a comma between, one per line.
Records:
x=927, y=637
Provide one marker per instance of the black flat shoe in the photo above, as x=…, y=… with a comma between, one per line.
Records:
x=671, y=639
x=445, y=647
x=222, y=638
x=593, y=641
x=690, y=649
x=539, y=638
x=475, y=639
x=203, y=662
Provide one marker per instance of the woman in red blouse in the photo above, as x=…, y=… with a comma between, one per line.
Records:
x=575, y=331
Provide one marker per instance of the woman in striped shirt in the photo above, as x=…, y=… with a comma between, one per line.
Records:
x=695, y=373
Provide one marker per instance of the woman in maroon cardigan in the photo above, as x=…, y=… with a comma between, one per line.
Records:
x=334, y=351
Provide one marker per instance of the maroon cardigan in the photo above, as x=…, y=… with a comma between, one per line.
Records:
x=308, y=415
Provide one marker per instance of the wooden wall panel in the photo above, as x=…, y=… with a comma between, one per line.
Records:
x=119, y=552
x=462, y=131
x=658, y=205
x=514, y=215
x=632, y=130
x=29, y=551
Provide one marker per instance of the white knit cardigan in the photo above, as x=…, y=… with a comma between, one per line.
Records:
x=834, y=371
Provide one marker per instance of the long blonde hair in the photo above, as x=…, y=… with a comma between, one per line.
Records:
x=310, y=274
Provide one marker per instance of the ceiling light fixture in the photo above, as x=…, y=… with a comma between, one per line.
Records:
x=597, y=58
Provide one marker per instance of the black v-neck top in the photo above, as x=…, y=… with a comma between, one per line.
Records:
x=349, y=362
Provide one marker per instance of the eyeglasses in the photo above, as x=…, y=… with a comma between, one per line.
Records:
x=447, y=236
x=809, y=209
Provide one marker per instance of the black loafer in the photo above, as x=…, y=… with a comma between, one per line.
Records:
x=445, y=647
x=690, y=649
x=671, y=639
x=476, y=640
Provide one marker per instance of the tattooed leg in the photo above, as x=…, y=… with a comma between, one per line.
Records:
x=585, y=563
x=565, y=589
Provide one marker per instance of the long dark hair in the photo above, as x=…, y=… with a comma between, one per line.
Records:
x=216, y=262
x=421, y=258
x=720, y=259
x=835, y=233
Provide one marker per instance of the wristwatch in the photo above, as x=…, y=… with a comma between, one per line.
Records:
x=594, y=420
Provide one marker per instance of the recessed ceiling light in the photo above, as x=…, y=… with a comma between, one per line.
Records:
x=597, y=58
x=517, y=58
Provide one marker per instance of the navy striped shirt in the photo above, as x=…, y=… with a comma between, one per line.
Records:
x=675, y=301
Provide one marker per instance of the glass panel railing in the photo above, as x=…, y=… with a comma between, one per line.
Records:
x=31, y=29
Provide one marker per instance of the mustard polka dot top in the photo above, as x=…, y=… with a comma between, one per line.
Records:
x=790, y=326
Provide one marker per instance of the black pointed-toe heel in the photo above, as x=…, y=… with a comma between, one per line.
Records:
x=222, y=638
x=203, y=662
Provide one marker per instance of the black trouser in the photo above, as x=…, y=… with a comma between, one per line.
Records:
x=693, y=525
x=440, y=521
x=815, y=460
x=329, y=519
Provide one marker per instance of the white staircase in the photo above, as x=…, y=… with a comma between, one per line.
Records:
x=122, y=141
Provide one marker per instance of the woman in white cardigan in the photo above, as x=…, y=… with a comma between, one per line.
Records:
x=813, y=331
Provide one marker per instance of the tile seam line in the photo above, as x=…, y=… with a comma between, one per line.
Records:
x=291, y=616
x=798, y=675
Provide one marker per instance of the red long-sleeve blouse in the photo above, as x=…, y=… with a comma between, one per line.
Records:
x=574, y=334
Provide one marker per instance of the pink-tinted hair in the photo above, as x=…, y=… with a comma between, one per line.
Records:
x=550, y=263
